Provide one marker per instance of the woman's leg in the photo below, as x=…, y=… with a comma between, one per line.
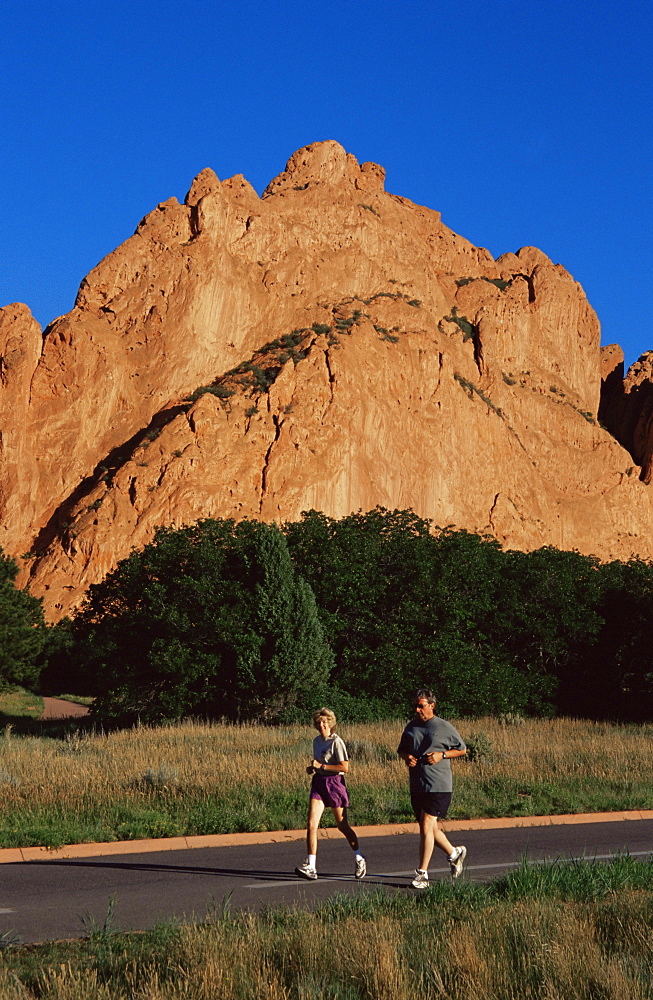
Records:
x=340, y=814
x=315, y=810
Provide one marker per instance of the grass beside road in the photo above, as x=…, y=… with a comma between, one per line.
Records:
x=77, y=699
x=19, y=703
x=195, y=778
x=574, y=930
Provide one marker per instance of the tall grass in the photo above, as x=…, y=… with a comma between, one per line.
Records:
x=466, y=942
x=196, y=778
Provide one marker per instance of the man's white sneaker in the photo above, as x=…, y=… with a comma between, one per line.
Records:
x=421, y=880
x=457, y=862
x=361, y=868
x=305, y=871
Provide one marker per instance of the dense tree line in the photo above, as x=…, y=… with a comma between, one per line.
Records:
x=247, y=620
x=210, y=619
x=22, y=631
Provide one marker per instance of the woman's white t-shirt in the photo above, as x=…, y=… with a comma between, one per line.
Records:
x=331, y=750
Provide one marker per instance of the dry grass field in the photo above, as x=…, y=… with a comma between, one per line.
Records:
x=195, y=778
x=545, y=933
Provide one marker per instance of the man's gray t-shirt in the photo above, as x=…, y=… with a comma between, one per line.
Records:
x=419, y=738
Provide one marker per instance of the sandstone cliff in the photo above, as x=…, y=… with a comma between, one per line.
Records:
x=327, y=345
x=627, y=405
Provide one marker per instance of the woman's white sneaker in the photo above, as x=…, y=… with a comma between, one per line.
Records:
x=421, y=880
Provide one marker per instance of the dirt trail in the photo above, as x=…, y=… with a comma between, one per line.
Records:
x=57, y=708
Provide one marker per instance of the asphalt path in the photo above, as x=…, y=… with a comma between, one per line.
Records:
x=59, y=708
x=57, y=899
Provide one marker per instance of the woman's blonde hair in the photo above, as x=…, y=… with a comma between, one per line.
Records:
x=325, y=713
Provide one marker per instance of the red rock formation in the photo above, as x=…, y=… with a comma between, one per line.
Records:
x=627, y=405
x=403, y=367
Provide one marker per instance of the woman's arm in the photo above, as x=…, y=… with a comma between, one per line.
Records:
x=341, y=768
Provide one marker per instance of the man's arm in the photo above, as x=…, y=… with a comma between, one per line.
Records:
x=435, y=756
x=406, y=747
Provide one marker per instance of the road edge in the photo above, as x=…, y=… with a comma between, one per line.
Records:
x=16, y=855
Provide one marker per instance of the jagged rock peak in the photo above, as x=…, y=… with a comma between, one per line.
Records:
x=331, y=347
x=15, y=312
x=206, y=182
x=526, y=259
x=326, y=163
x=640, y=370
x=612, y=361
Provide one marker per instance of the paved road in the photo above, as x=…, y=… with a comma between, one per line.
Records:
x=55, y=899
x=59, y=708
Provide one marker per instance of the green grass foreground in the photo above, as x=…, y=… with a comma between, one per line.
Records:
x=195, y=778
x=572, y=930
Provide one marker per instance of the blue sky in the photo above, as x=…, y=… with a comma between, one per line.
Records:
x=523, y=123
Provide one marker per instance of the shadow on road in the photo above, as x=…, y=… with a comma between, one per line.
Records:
x=257, y=874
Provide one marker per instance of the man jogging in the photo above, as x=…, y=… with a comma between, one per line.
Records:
x=427, y=745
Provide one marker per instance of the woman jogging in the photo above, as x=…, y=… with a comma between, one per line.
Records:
x=330, y=764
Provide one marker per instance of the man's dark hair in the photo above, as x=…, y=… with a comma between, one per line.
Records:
x=426, y=694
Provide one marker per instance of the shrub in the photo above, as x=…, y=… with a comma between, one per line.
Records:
x=369, y=752
x=157, y=779
x=221, y=391
x=479, y=747
x=511, y=719
x=500, y=283
x=468, y=329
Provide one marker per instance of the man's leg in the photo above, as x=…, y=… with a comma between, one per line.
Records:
x=430, y=835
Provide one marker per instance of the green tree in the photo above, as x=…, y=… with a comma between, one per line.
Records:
x=199, y=622
x=547, y=619
x=294, y=661
x=404, y=606
x=359, y=568
x=615, y=679
x=245, y=620
x=22, y=631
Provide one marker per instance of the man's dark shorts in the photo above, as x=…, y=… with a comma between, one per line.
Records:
x=433, y=803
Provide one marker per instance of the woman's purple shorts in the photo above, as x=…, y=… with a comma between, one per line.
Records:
x=331, y=789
